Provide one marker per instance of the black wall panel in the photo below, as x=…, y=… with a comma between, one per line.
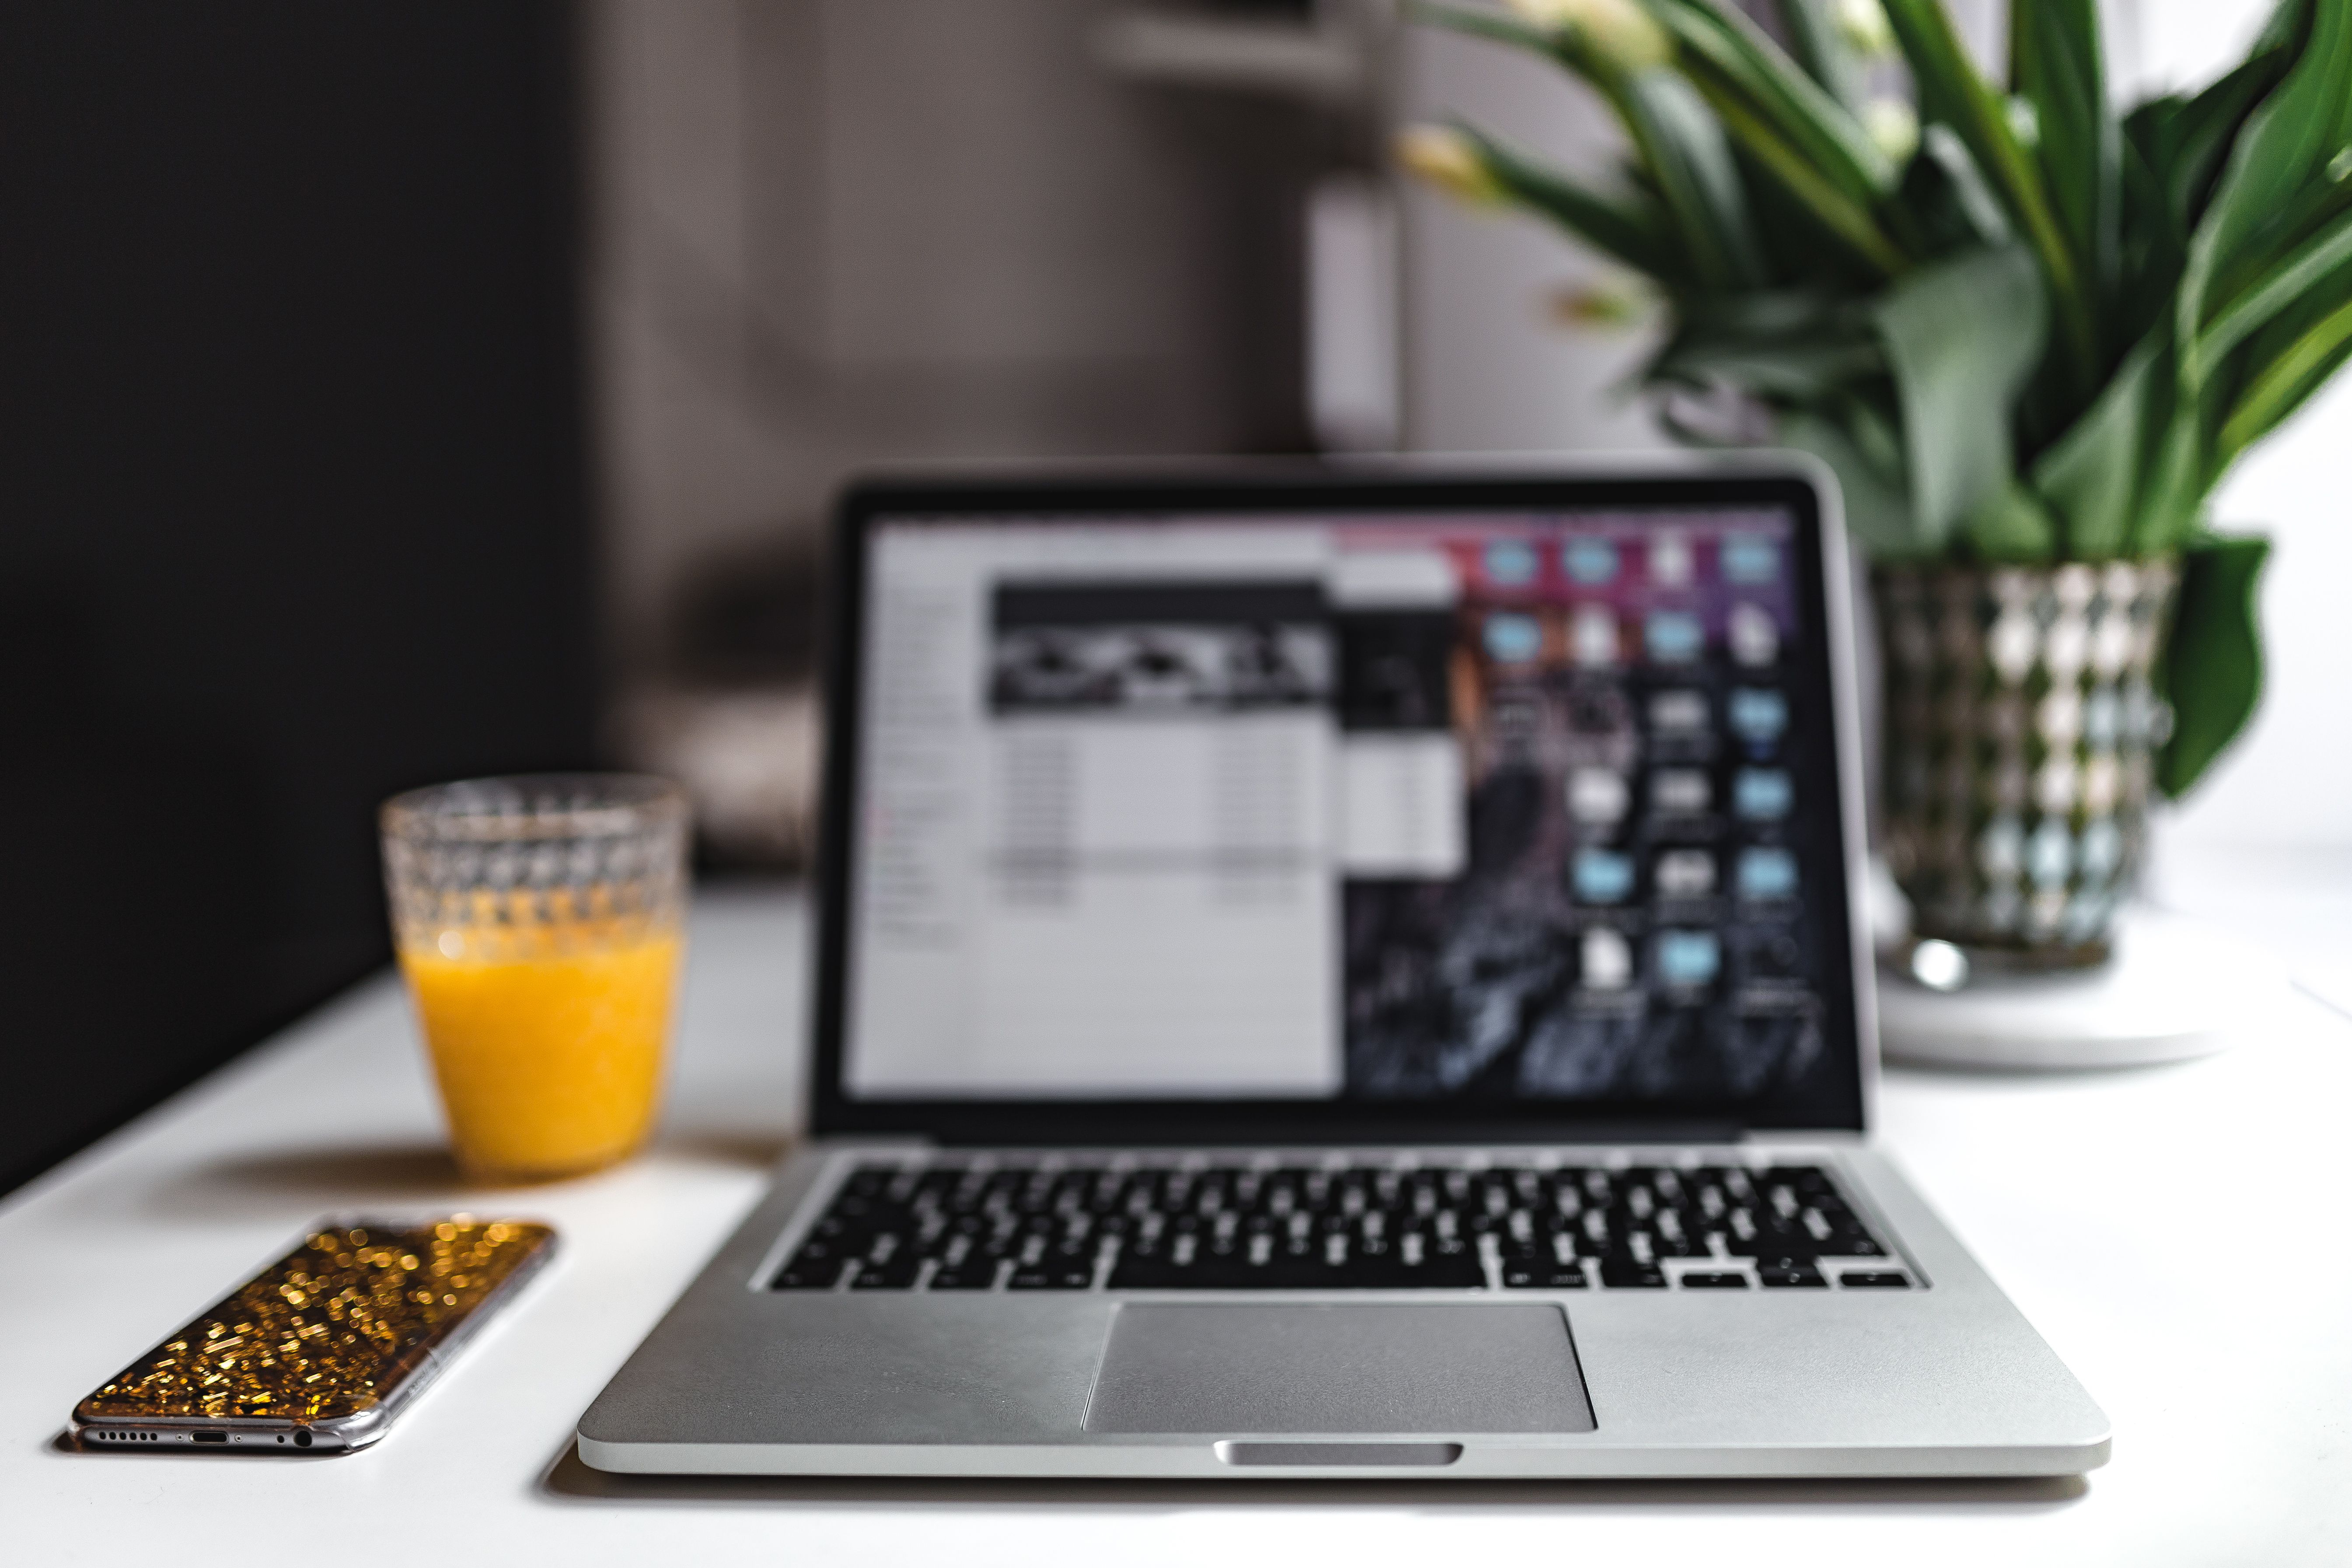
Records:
x=291, y=502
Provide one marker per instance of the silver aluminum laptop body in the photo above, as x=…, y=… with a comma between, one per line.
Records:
x=1415, y=1214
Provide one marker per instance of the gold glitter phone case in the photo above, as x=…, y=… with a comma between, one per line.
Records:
x=318, y=1352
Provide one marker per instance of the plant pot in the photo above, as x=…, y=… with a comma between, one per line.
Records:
x=2021, y=727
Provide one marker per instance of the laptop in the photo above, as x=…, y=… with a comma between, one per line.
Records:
x=1343, y=974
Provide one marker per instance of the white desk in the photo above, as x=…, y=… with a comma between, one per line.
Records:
x=2174, y=1232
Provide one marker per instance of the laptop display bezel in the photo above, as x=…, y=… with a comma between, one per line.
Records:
x=1207, y=1121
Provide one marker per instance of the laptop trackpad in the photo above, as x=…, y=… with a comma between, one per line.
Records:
x=1219, y=1367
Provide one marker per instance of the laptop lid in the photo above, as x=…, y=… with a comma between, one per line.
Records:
x=1335, y=807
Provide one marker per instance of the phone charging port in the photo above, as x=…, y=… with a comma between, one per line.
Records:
x=211, y=1436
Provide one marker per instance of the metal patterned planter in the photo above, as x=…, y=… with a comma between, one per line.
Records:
x=2019, y=727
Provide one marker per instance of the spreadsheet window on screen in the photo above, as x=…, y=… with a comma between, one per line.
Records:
x=1497, y=806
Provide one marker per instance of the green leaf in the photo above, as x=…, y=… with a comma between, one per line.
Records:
x=2211, y=666
x=2290, y=281
x=1961, y=336
x=1946, y=192
x=1628, y=227
x=1951, y=91
x=2173, y=475
x=2286, y=145
x=1781, y=372
x=2015, y=526
x=1796, y=133
x=2184, y=141
x=1773, y=314
x=1730, y=58
x=1797, y=244
x=1818, y=46
x=1878, y=512
x=2055, y=65
x=1786, y=349
x=2173, y=150
x=2294, y=221
x=2090, y=475
x=1682, y=144
x=1845, y=218
x=2289, y=21
x=2283, y=384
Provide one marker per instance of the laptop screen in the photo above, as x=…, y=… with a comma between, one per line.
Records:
x=1494, y=806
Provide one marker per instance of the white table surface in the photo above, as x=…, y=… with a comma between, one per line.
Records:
x=2174, y=1232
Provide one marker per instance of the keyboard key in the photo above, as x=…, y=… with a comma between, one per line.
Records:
x=822, y=1274
x=1722, y=1280
x=832, y=1251
x=1544, y=1280
x=1808, y=1181
x=1061, y=1277
x=1874, y=1279
x=1769, y=1237
x=1791, y=1278
x=977, y=1274
x=1782, y=1260
x=1624, y=1274
x=898, y=1274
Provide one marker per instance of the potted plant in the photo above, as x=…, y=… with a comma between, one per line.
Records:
x=2029, y=334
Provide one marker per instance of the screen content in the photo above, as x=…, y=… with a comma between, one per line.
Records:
x=1504, y=806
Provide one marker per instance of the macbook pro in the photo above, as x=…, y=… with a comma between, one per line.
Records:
x=1334, y=975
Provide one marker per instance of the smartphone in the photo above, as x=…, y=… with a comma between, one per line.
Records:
x=320, y=1352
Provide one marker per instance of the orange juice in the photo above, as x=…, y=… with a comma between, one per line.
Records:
x=548, y=1049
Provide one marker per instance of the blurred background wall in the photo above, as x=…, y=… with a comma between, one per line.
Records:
x=835, y=234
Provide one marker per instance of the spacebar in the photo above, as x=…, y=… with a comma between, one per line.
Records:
x=1458, y=1271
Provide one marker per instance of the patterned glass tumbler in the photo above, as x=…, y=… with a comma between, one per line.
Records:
x=2021, y=725
x=540, y=921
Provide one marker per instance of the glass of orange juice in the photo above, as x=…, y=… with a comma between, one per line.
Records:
x=540, y=921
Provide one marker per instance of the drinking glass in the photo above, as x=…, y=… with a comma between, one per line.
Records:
x=540, y=921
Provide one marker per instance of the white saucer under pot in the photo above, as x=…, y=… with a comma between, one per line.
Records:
x=2172, y=990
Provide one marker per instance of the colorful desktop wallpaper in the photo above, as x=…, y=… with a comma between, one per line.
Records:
x=1643, y=835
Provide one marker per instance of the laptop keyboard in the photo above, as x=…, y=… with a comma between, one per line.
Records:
x=983, y=1226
